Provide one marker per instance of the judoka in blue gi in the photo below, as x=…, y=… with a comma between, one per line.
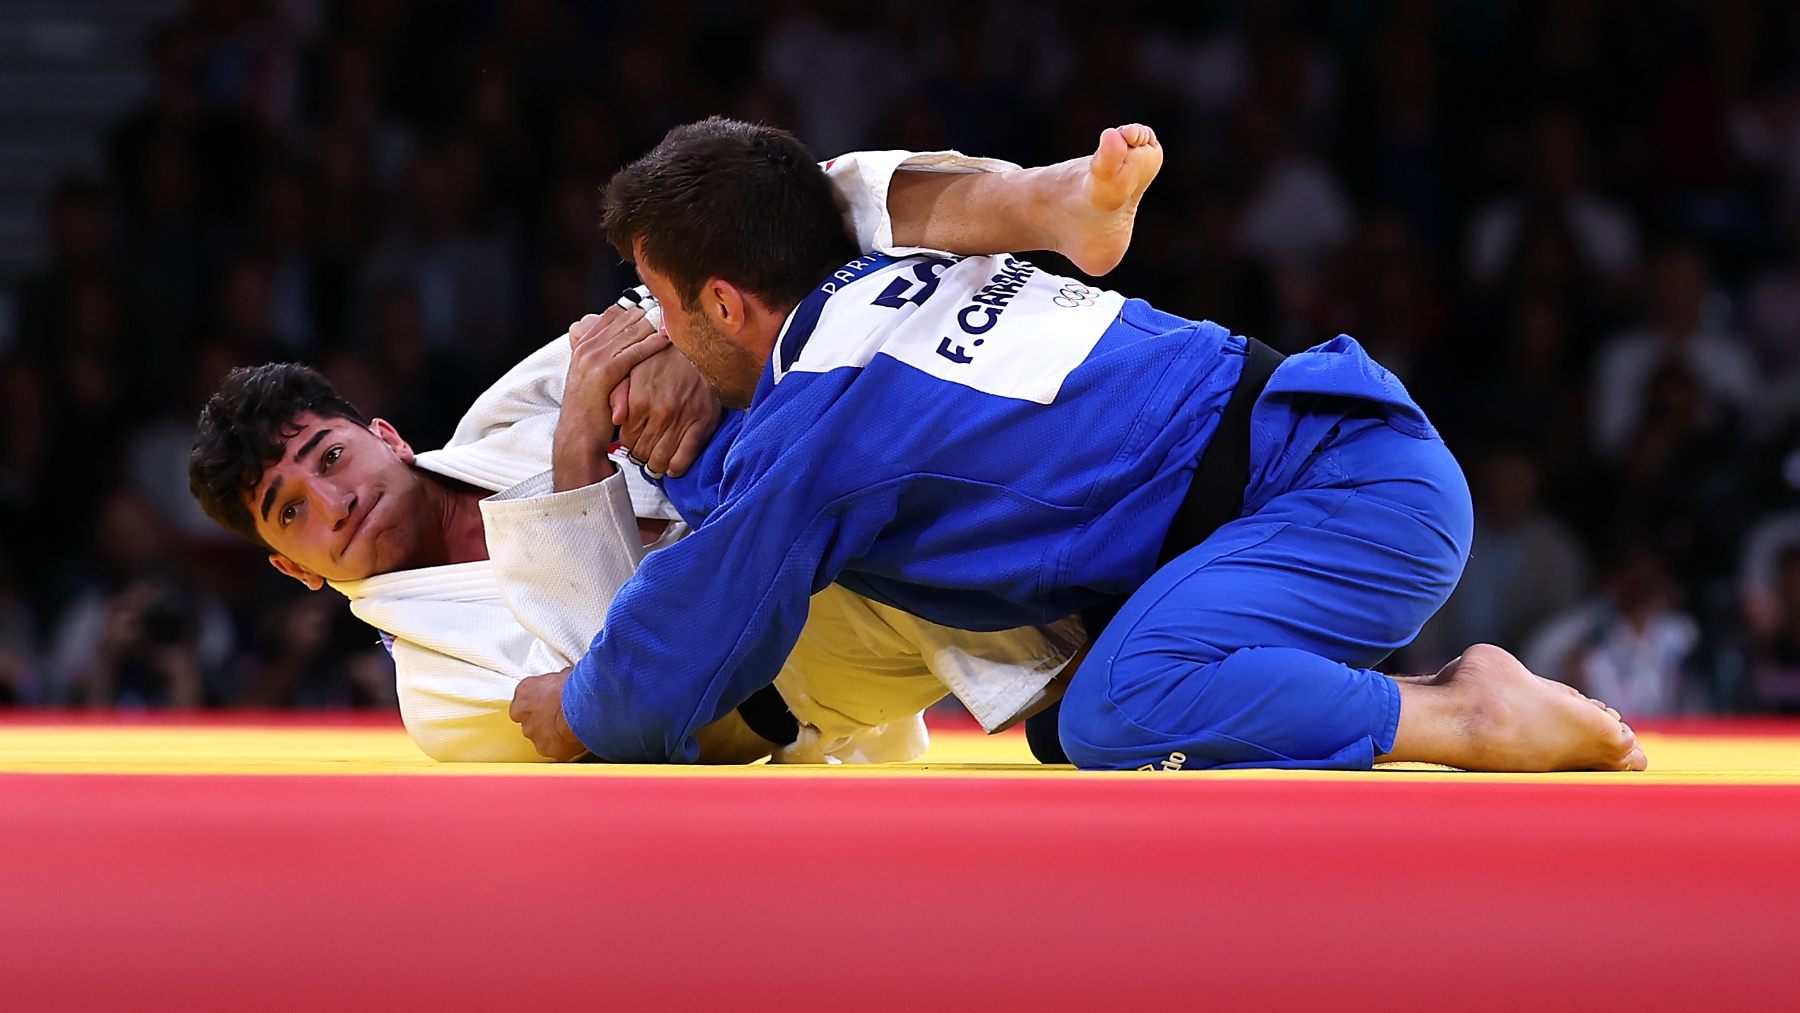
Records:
x=987, y=445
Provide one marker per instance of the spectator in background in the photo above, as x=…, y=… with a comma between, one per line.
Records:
x=587, y=143
x=499, y=134
x=1764, y=131
x=138, y=634
x=578, y=269
x=80, y=250
x=315, y=654
x=1379, y=290
x=93, y=386
x=356, y=114
x=1680, y=478
x=1533, y=391
x=308, y=291
x=1601, y=234
x=651, y=91
x=422, y=389
x=1405, y=157
x=1629, y=646
x=244, y=317
x=842, y=74
x=347, y=204
x=224, y=148
x=156, y=452
x=167, y=254
x=1774, y=637
x=25, y=435
x=1207, y=278
x=18, y=641
x=1772, y=312
x=464, y=276
x=1676, y=329
x=973, y=105
x=1297, y=211
x=1525, y=565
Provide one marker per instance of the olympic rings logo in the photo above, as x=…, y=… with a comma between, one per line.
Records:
x=1072, y=296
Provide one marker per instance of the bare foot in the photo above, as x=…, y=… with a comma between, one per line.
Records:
x=1093, y=201
x=1486, y=711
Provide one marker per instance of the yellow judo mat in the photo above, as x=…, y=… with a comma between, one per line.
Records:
x=373, y=750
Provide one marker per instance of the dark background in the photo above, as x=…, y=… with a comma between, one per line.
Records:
x=1571, y=227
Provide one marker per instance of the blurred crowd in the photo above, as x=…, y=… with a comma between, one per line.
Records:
x=1572, y=227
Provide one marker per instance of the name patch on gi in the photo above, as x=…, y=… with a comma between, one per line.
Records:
x=995, y=324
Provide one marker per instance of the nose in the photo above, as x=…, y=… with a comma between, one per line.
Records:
x=334, y=503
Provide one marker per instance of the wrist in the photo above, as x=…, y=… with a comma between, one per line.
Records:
x=579, y=461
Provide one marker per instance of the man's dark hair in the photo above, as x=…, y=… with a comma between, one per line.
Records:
x=245, y=427
x=731, y=200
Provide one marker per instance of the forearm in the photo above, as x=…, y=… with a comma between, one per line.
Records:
x=675, y=655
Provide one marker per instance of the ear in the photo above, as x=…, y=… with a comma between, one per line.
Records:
x=300, y=573
x=386, y=433
x=725, y=304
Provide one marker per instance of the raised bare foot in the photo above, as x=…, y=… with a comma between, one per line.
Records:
x=1487, y=711
x=1093, y=201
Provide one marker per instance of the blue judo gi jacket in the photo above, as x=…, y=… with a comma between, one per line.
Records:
x=968, y=439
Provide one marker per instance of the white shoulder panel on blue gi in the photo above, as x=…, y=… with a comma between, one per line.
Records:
x=996, y=324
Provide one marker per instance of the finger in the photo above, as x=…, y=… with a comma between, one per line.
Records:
x=666, y=440
x=622, y=326
x=693, y=440
x=517, y=709
x=642, y=345
x=638, y=421
x=620, y=400
x=606, y=368
x=631, y=435
x=582, y=329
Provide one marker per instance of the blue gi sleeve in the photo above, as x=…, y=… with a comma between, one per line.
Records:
x=709, y=620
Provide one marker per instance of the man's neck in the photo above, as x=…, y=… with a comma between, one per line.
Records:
x=457, y=505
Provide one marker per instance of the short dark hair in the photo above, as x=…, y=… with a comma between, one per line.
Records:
x=732, y=200
x=245, y=427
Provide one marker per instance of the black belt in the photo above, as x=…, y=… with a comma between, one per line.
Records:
x=767, y=715
x=1214, y=497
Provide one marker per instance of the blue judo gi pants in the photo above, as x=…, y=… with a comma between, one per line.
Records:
x=1252, y=649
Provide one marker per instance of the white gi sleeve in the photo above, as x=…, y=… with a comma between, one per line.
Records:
x=561, y=557
x=861, y=180
x=457, y=711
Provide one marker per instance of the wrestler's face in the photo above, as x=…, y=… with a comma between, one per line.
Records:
x=717, y=335
x=343, y=503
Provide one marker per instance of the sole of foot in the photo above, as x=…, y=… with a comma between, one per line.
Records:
x=1099, y=214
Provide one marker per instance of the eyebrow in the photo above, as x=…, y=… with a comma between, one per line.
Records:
x=275, y=486
x=269, y=497
x=308, y=446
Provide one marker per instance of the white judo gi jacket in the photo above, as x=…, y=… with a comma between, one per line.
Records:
x=463, y=635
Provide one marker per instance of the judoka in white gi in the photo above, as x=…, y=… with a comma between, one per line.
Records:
x=473, y=600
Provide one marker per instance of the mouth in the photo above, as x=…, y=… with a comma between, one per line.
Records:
x=362, y=522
